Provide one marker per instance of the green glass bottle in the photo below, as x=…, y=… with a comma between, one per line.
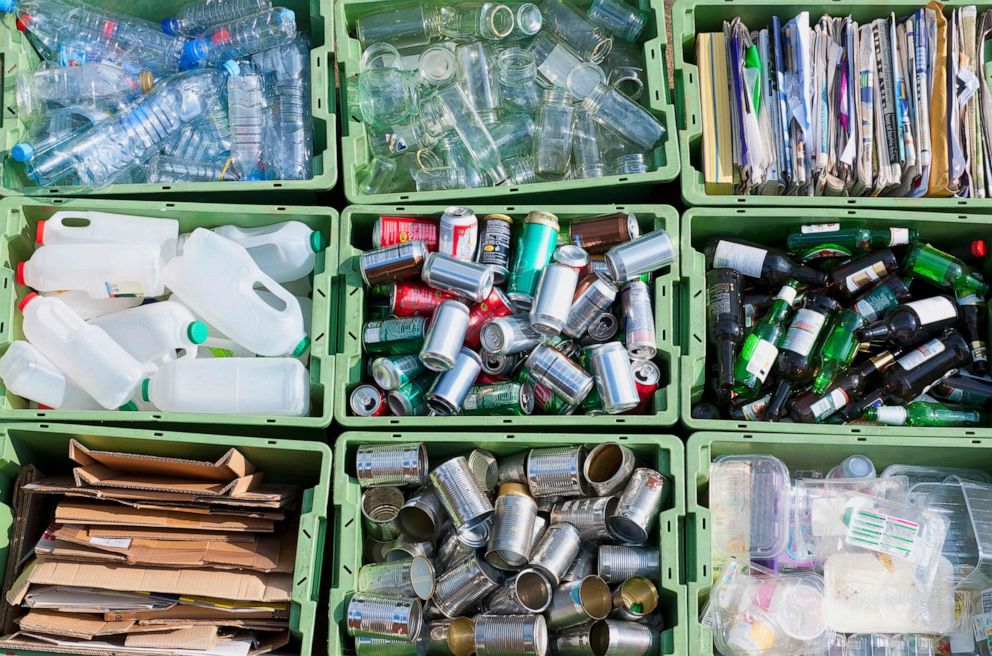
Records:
x=946, y=270
x=919, y=413
x=757, y=356
x=884, y=295
x=831, y=240
x=838, y=350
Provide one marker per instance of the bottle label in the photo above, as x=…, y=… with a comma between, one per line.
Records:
x=762, y=359
x=740, y=257
x=826, y=251
x=753, y=410
x=864, y=277
x=921, y=354
x=820, y=227
x=891, y=415
x=883, y=533
x=123, y=288
x=898, y=236
x=979, y=351
x=875, y=303
x=788, y=293
x=492, y=397
x=803, y=332
x=932, y=310
x=220, y=352
x=829, y=404
x=718, y=300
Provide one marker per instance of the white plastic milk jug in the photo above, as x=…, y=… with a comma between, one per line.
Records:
x=284, y=251
x=153, y=333
x=100, y=270
x=30, y=375
x=87, y=307
x=71, y=227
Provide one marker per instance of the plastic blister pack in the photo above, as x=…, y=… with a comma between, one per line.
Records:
x=749, y=505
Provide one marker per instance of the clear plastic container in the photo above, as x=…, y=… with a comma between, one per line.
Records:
x=30, y=375
x=155, y=333
x=968, y=546
x=749, y=506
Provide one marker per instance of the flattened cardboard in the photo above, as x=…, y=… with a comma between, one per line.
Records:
x=115, y=646
x=132, y=532
x=268, y=496
x=197, y=613
x=84, y=627
x=195, y=637
x=88, y=513
x=231, y=466
x=228, y=584
x=79, y=600
x=31, y=515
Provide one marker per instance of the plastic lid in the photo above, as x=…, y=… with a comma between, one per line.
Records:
x=197, y=332
x=302, y=347
x=978, y=248
x=170, y=26
x=317, y=241
x=194, y=51
x=146, y=81
x=27, y=299
x=130, y=406
x=19, y=273
x=39, y=233
x=22, y=22
x=22, y=152
x=231, y=67
x=144, y=389
x=7, y=6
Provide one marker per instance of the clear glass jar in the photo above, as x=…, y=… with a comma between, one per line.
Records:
x=618, y=18
x=376, y=177
x=450, y=109
x=520, y=171
x=517, y=71
x=587, y=160
x=489, y=20
x=478, y=79
x=406, y=27
x=553, y=141
x=590, y=41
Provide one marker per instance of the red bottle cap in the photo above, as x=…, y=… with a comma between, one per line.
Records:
x=27, y=299
x=978, y=248
x=19, y=273
x=22, y=22
x=39, y=233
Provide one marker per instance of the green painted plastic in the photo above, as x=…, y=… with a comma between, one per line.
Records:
x=313, y=15
x=690, y=17
x=771, y=226
x=307, y=464
x=356, y=236
x=661, y=452
x=813, y=452
x=21, y=215
x=355, y=151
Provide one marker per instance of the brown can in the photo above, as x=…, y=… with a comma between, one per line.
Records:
x=599, y=234
x=392, y=263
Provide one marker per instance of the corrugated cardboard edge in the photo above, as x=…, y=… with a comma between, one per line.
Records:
x=231, y=465
x=193, y=637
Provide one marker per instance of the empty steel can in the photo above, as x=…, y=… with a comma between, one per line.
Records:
x=509, y=335
x=577, y=641
x=553, y=299
x=556, y=471
x=588, y=515
x=484, y=468
x=598, y=234
x=578, y=602
x=565, y=378
x=638, y=507
x=584, y=564
x=528, y=592
x=459, y=491
x=608, y=468
x=412, y=577
x=451, y=550
x=449, y=389
x=614, y=377
x=556, y=551
x=391, y=464
x=451, y=636
x=380, y=616
x=645, y=254
x=593, y=296
x=513, y=530
x=638, y=321
x=365, y=646
x=464, y=584
x=366, y=401
x=619, y=563
x=513, y=468
x=404, y=547
x=391, y=372
x=494, y=244
x=423, y=514
x=624, y=638
x=445, y=336
x=392, y=263
x=468, y=279
x=380, y=506
x=511, y=635
x=635, y=599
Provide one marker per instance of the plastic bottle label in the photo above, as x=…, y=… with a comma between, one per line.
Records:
x=760, y=364
x=864, y=277
x=803, y=332
x=820, y=227
x=220, y=352
x=979, y=351
x=829, y=404
x=883, y=533
x=898, y=236
x=740, y=257
x=932, y=310
x=891, y=415
x=921, y=354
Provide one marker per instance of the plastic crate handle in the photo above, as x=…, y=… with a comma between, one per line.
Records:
x=310, y=544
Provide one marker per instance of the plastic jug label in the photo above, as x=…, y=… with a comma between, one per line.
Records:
x=883, y=533
x=115, y=289
x=740, y=257
x=760, y=364
x=220, y=352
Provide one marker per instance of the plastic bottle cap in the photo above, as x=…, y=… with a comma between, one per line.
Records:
x=302, y=347
x=130, y=406
x=22, y=152
x=317, y=242
x=194, y=51
x=978, y=248
x=231, y=67
x=39, y=233
x=144, y=389
x=22, y=22
x=170, y=26
x=146, y=81
x=27, y=299
x=7, y=6
x=197, y=332
x=19, y=273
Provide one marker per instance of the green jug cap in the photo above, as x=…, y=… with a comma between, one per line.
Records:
x=144, y=389
x=130, y=406
x=317, y=241
x=302, y=347
x=197, y=332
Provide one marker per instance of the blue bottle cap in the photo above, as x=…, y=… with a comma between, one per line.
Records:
x=231, y=67
x=169, y=25
x=194, y=52
x=7, y=6
x=21, y=152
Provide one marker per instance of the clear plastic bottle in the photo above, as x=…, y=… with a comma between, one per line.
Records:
x=87, y=307
x=198, y=142
x=587, y=158
x=450, y=109
x=283, y=251
x=93, y=227
x=517, y=72
x=477, y=77
x=30, y=375
x=162, y=169
x=100, y=270
x=246, y=111
x=553, y=140
x=86, y=354
x=216, y=278
x=155, y=333
x=240, y=38
x=231, y=386
x=57, y=127
x=590, y=41
x=289, y=68
x=100, y=86
x=492, y=21
x=196, y=17
x=130, y=137
x=618, y=18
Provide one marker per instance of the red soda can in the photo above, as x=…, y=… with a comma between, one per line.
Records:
x=497, y=304
x=367, y=401
x=647, y=377
x=488, y=379
x=409, y=299
x=393, y=230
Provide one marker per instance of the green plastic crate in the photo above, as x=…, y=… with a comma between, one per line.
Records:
x=21, y=215
x=356, y=236
x=355, y=150
x=812, y=452
x=313, y=16
x=307, y=464
x=770, y=226
x=662, y=452
x=690, y=17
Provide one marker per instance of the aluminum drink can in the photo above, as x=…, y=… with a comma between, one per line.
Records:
x=533, y=252
x=598, y=234
x=394, y=336
x=509, y=335
x=495, y=238
x=647, y=377
x=572, y=256
x=450, y=388
x=561, y=375
x=459, y=233
x=642, y=255
x=614, y=377
x=639, y=330
x=604, y=327
x=367, y=401
x=496, y=305
x=553, y=299
x=545, y=399
x=392, y=372
x=411, y=298
x=498, y=364
x=392, y=263
x=510, y=399
x=593, y=297
x=468, y=279
x=445, y=336
x=410, y=399
x=393, y=230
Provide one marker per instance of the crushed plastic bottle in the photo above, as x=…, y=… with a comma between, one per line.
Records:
x=240, y=38
x=247, y=112
x=173, y=169
x=287, y=73
x=98, y=86
x=196, y=17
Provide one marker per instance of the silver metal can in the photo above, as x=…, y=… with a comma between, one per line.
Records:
x=412, y=577
x=450, y=388
x=391, y=372
x=365, y=646
x=509, y=335
x=635, y=599
x=391, y=464
x=608, y=468
x=584, y=564
x=513, y=530
x=423, y=514
x=374, y=551
x=559, y=374
x=445, y=336
x=459, y=491
x=578, y=602
x=556, y=551
x=451, y=637
x=366, y=401
x=528, y=592
x=593, y=296
x=468, y=279
x=646, y=373
x=511, y=635
x=463, y=585
x=638, y=319
x=451, y=551
x=380, y=616
x=403, y=547
x=639, y=506
x=618, y=563
x=614, y=377
x=485, y=468
x=572, y=256
x=553, y=299
x=577, y=641
x=392, y=263
x=589, y=515
x=380, y=506
x=458, y=233
x=556, y=471
x=498, y=364
x=624, y=638
x=604, y=327
x=513, y=468
x=645, y=254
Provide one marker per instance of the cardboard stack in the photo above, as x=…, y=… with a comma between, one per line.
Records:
x=150, y=555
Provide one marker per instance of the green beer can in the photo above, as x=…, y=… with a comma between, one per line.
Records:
x=535, y=247
x=499, y=399
x=394, y=336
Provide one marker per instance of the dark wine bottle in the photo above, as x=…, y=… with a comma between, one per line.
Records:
x=725, y=324
x=769, y=265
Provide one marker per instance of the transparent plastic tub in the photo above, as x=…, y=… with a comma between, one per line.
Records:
x=967, y=507
x=749, y=498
